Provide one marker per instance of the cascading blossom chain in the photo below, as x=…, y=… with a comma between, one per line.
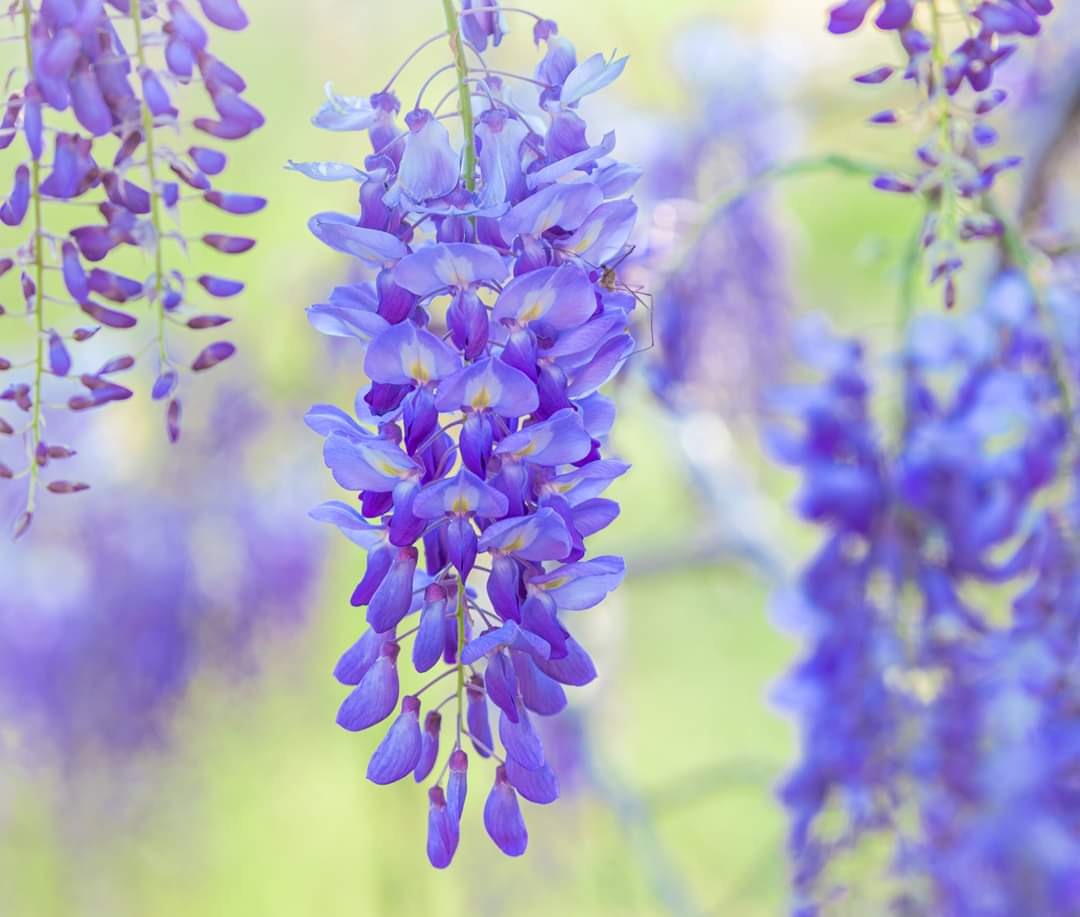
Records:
x=492, y=320
x=927, y=721
x=957, y=92
x=77, y=61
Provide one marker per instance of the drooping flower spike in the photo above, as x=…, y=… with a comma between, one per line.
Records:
x=954, y=75
x=121, y=70
x=487, y=331
x=929, y=723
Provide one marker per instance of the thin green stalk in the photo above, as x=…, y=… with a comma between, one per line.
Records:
x=1059, y=364
x=155, y=203
x=457, y=45
x=948, y=192
x=460, y=614
x=843, y=165
x=39, y=294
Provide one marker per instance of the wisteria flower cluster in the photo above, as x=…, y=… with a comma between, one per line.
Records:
x=929, y=715
x=716, y=261
x=492, y=320
x=957, y=92
x=113, y=72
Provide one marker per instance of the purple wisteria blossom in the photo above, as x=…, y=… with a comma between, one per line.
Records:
x=116, y=72
x=954, y=69
x=488, y=329
x=931, y=717
x=714, y=258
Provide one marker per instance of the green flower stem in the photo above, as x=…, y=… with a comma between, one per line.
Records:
x=39, y=297
x=155, y=197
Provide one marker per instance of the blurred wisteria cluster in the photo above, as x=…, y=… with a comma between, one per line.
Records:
x=105, y=625
x=103, y=102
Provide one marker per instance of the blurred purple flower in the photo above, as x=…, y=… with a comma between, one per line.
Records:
x=924, y=718
x=105, y=620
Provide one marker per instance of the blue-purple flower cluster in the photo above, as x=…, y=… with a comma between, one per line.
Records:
x=930, y=716
x=115, y=67
x=715, y=261
x=490, y=324
x=955, y=79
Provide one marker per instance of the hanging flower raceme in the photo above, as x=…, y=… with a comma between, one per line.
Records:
x=955, y=80
x=925, y=720
x=120, y=71
x=488, y=329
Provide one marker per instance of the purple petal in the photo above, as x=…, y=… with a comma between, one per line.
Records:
x=442, y=838
x=213, y=354
x=540, y=785
x=489, y=384
x=393, y=599
x=566, y=205
x=575, y=668
x=399, y=751
x=429, y=166
x=604, y=233
x=502, y=817
x=579, y=586
x=343, y=235
x=476, y=717
x=110, y=317
x=219, y=286
x=405, y=354
x=428, y=645
x=360, y=657
x=463, y=493
x=559, y=440
x=540, y=536
x=456, y=265
x=235, y=203
x=367, y=463
x=429, y=746
x=521, y=742
x=229, y=245
x=457, y=785
x=225, y=13
x=59, y=358
x=208, y=161
x=539, y=692
x=374, y=699
x=561, y=297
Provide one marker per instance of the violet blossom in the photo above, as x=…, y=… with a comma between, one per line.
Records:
x=491, y=314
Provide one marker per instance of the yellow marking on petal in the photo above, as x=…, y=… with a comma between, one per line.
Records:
x=455, y=271
x=516, y=545
x=460, y=505
x=592, y=232
x=388, y=468
x=540, y=305
x=419, y=371
x=555, y=583
x=481, y=399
